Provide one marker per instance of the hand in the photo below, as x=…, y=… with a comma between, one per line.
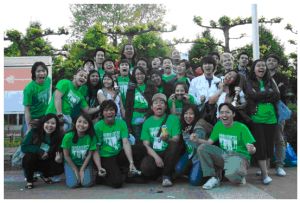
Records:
x=280, y=84
x=77, y=174
x=237, y=89
x=159, y=162
x=164, y=136
x=44, y=156
x=193, y=137
x=81, y=174
x=132, y=167
x=250, y=148
x=172, y=97
x=186, y=97
x=58, y=157
x=101, y=172
x=221, y=86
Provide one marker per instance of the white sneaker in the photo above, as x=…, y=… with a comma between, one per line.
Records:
x=280, y=171
x=167, y=182
x=211, y=183
x=243, y=181
x=258, y=173
x=267, y=180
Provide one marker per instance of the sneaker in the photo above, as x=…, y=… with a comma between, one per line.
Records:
x=258, y=173
x=267, y=180
x=243, y=181
x=167, y=182
x=280, y=172
x=56, y=179
x=211, y=183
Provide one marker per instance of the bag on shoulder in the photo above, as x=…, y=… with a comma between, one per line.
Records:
x=17, y=157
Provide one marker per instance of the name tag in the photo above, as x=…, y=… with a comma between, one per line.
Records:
x=157, y=143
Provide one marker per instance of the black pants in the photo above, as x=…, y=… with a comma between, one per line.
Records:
x=170, y=157
x=117, y=167
x=31, y=163
x=264, y=135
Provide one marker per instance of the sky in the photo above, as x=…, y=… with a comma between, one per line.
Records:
x=56, y=14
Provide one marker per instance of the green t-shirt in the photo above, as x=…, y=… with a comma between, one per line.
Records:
x=109, y=137
x=233, y=138
x=265, y=111
x=101, y=73
x=160, y=89
x=140, y=103
x=151, y=127
x=123, y=85
x=78, y=151
x=179, y=104
x=37, y=97
x=167, y=78
x=184, y=79
x=71, y=98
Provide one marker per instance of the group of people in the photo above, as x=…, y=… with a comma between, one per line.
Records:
x=133, y=122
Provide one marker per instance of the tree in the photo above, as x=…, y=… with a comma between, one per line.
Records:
x=32, y=43
x=225, y=23
x=150, y=45
x=114, y=15
x=268, y=44
x=202, y=46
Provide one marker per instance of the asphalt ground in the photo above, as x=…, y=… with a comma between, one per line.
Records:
x=280, y=188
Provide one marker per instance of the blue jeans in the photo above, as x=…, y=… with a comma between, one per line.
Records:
x=195, y=173
x=71, y=179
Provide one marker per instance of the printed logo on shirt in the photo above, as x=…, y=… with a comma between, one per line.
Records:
x=73, y=98
x=228, y=142
x=123, y=87
x=111, y=139
x=43, y=96
x=79, y=152
x=154, y=131
x=140, y=98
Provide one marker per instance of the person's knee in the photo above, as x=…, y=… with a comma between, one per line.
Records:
x=72, y=183
x=202, y=148
x=148, y=166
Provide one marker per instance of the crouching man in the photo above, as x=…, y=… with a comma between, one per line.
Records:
x=234, y=153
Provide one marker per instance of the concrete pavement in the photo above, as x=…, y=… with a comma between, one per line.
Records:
x=280, y=188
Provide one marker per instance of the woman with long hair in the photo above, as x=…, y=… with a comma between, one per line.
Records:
x=262, y=96
x=42, y=151
x=138, y=100
x=192, y=126
x=78, y=145
x=110, y=90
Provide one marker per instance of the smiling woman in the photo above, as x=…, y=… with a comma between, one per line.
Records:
x=263, y=94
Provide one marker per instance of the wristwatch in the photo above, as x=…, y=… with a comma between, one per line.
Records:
x=59, y=115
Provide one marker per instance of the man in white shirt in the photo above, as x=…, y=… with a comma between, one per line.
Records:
x=206, y=85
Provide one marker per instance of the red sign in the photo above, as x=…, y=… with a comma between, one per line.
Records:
x=15, y=79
